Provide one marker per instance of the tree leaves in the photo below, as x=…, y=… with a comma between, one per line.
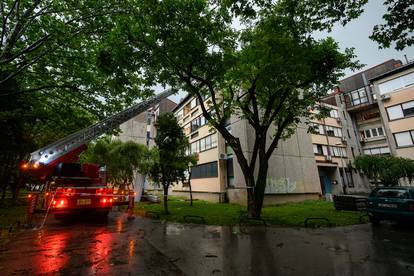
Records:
x=398, y=27
x=120, y=158
x=387, y=169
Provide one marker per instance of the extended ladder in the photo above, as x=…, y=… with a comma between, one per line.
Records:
x=60, y=148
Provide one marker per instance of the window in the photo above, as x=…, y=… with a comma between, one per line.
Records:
x=397, y=83
x=204, y=170
x=357, y=97
x=197, y=123
x=179, y=114
x=333, y=113
x=203, y=144
x=404, y=139
x=193, y=103
x=195, y=147
x=338, y=151
x=401, y=110
x=372, y=132
x=317, y=149
x=377, y=151
x=330, y=130
x=334, y=151
x=408, y=108
x=194, y=135
x=392, y=193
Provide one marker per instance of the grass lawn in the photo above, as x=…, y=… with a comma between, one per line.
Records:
x=289, y=214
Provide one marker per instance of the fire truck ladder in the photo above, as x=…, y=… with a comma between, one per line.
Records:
x=60, y=148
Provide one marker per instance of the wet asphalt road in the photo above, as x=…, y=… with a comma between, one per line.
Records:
x=146, y=247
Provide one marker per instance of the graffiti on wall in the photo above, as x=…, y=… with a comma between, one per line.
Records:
x=282, y=185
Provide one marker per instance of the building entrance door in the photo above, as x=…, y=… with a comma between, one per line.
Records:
x=326, y=184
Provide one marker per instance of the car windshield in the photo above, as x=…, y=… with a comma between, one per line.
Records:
x=392, y=193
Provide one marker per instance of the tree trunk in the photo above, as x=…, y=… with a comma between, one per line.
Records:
x=191, y=194
x=165, y=186
x=191, y=190
x=256, y=195
x=252, y=206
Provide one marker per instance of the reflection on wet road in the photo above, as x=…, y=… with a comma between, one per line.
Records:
x=146, y=247
x=85, y=248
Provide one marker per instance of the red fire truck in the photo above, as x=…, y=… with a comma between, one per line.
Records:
x=67, y=187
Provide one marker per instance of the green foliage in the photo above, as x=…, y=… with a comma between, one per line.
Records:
x=168, y=161
x=386, y=169
x=121, y=159
x=398, y=27
x=289, y=214
x=50, y=81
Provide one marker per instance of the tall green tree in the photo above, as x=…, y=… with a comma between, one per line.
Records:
x=169, y=160
x=121, y=159
x=270, y=71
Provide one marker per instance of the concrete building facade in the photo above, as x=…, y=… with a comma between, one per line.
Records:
x=292, y=174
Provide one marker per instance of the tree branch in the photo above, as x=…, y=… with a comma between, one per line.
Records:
x=280, y=128
x=12, y=38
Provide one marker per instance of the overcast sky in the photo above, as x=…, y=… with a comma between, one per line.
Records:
x=356, y=34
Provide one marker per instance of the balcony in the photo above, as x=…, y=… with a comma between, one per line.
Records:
x=357, y=100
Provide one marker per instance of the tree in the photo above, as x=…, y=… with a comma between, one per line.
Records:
x=387, y=170
x=50, y=82
x=121, y=159
x=186, y=176
x=168, y=161
x=270, y=72
x=398, y=26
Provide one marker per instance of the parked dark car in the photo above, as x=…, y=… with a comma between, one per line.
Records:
x=391, y=203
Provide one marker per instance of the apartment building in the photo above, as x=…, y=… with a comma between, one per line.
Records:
x=292, y=174
x=395, y=93
x=330, y=149
x=375, y=108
